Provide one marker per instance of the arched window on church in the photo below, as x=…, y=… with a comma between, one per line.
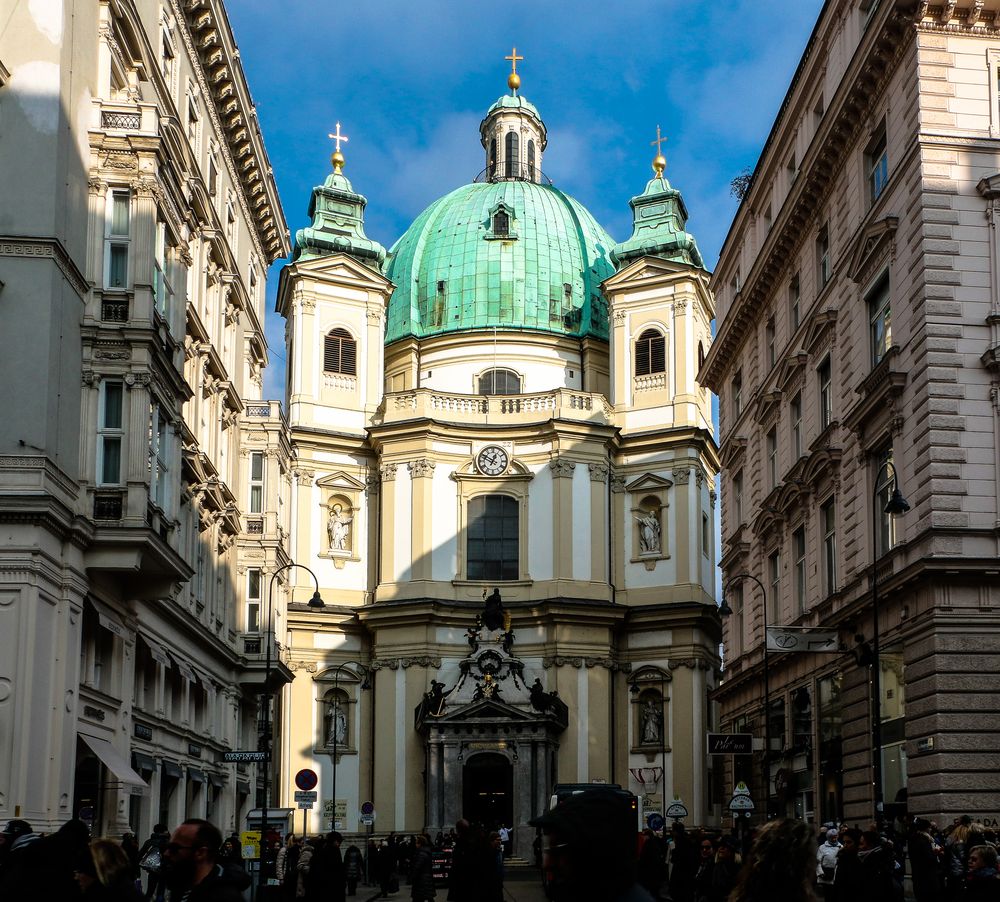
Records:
x=512, y=154
x=492, y=538
x=531, y=161
x=650, y=353
x=340, y=353
x=492, y=166
x=499, y=382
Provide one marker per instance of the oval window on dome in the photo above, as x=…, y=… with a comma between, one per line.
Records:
x=500, y=382
x=650, y=353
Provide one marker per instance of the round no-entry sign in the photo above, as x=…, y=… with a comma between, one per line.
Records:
x=306, y=779
x=367, y=809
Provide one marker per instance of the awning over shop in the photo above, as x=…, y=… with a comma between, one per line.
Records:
x=196, y=776
x=115, y=762
x=217, y=780
x=158, y=652
x=143, y=763
x=107, y=617
x=186, y=670
x=171, y=770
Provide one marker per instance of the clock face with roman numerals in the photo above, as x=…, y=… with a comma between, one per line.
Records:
x=492, y=460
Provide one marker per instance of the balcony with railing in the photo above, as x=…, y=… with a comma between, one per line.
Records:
x=125, y=118
x=254, y=649
x=560, y=404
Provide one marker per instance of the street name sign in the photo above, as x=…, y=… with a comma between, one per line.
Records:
x=244, y=756
x=730, y=744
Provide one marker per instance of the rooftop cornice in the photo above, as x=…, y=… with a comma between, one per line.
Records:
x=858, y=90
x=224, y=82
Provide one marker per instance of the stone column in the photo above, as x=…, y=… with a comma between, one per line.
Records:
x=421, y=505
x=562, y=521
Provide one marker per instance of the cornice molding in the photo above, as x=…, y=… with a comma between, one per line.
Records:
x=51, y=248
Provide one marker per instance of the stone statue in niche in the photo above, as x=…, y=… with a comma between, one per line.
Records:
x=651, y=721
x=338, y=724
x=649, y=532
x=338, y=528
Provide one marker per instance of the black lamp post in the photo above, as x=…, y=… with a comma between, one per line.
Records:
x=725, y=611
x=896, y=505
x=364, y=685
x=316, y=602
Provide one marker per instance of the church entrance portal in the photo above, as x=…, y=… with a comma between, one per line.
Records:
x=488, y=791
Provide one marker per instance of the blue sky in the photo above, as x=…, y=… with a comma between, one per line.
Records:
x=410, y=82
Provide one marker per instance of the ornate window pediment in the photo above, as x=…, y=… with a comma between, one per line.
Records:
x=340, y=480
x=648, y=482
x=870, y=248
x=790, y=371
x=767, y=406
x=820, y=325
x=732, y=452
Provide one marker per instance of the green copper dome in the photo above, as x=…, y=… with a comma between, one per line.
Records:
x=538, y=265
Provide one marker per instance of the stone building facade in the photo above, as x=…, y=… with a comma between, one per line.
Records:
x=139, y=218
x=858, y=296
x=503, y=480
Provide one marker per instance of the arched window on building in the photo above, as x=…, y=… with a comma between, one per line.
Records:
x=499, y=382
x=492, y=165
x=512, y=155
x=650, y=353
x=340, y=353
x=492, y=538
x=531, y=161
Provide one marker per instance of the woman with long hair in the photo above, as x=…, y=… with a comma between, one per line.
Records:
x=780, y=865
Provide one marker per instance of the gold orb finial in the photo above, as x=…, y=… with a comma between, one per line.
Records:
x=513, y=80
x=337, y=158
x=659, y=161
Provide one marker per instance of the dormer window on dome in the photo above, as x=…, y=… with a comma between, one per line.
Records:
x=501, y=223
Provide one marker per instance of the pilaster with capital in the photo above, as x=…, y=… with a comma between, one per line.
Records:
x=562, y=505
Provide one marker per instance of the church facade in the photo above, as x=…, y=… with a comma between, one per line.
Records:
x=502, y=472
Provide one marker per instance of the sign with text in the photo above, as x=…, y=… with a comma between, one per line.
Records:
x=309, y=795
x=244, y=756
x=785, y=638
x=730, y=744
x=741, y=803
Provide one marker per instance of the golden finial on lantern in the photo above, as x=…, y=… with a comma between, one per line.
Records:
x=513, y=80
x=337, y=158
x=659, y=161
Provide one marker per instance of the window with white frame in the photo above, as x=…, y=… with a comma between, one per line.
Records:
x=824, y=375
x=192, y=120
x=822, y=258
x=796, y=420
x=828, y=523
x=877, y=163
x=117, y=235
x=650, y=353
x=340, y=353
x=772, y=457
x=799, y=554
x=253, y=600
x=163, y=289
x=167, y=55
x=110, y=432
x=159, y=449
x=256, y=482
x=231, y=223
x=880, y=319
x=794, y=294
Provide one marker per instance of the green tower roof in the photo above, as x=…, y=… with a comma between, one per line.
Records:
x=658, y=220
x=453, y=272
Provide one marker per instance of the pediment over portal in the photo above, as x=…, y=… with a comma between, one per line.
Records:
x=340, y=480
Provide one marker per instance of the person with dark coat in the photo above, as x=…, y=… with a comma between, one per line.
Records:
x=354, y=868
x=652, y=863
x=982, y=883
x=104, y=874
x=926, y=858
x=16, y=859
x=157, y=840
x=462, y=878
x=849, y=877
x=725, y=870
x=326, y=876
x=422, y=871
x=51, y=863
x=877, y=884
x=683, y=864
x=589, y=849
x=191, y=869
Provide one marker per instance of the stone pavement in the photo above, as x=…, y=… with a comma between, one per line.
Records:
x=520, y=885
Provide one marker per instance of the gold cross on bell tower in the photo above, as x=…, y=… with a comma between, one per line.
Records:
x=513, y=80
x=337, y=158
x=659, y=161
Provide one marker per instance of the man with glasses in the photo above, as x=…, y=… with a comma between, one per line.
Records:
x=190, y=868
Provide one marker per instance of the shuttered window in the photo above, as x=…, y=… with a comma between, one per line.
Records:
x=650, y=353
x=340, y=353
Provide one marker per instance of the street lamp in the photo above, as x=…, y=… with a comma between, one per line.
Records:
x=725, y=611
x=316, y=603
x=896, y=505
x=336, y=681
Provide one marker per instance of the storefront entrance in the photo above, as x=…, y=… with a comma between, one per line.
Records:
x=488, y=791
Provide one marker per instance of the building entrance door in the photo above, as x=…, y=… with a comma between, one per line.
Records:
x=488, y=791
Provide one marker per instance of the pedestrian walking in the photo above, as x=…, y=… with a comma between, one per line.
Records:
x=354, y=865
x=104, y=873
x=151, y=861
x=422, y=871
x=191, y=870
x=926, y=862
x=826, y=863
x=848, y=879
x=982, y=883
x=877, y=865
x=725, y=870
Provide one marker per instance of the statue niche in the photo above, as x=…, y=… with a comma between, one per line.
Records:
x=339, y=526
x=648, y=525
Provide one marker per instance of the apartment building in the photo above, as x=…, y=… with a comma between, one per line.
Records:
x=856, y=361
x=139, y=218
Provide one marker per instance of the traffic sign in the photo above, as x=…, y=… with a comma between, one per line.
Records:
x=306, y=806
x=244, y=756
x=368, y=819
x=677, y=810
x=306, y=779
x=368, y=808
x=741, y=789
x=655, y=821
x=802, y=639
x=741, y=803
x=306, y=795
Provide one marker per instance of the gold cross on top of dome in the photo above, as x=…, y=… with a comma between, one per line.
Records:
x=513, y=80
x=659, y=161
x=337, y=158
